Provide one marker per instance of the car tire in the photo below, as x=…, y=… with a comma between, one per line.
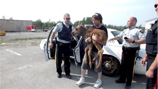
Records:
x=110, y=65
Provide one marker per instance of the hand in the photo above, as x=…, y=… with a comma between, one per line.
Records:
x=129, y=40
x=51, y=45
x=149, y=73
x=111, y=39
x=143, y=61
x=75, y=38
x=94, y=37
x=88, y=39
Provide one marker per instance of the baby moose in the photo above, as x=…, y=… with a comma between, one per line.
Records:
x=88, y=32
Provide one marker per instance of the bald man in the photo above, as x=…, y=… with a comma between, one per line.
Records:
x=63, y=30
x=132, y=38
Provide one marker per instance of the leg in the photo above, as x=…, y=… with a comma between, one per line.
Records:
x=123, y=70
x=58, y=59
x=83, y=71
x=98, y=46
x=100, y=58
x=89, y=54
x=84, y=67
x=99, y=75
x=100, y=53
x=99, y=71
x=66, y=50
x=86, y=50
x=130, y=67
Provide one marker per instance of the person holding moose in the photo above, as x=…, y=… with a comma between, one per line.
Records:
x=97, y=21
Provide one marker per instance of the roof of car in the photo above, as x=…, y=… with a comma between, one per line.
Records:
x=109, y=29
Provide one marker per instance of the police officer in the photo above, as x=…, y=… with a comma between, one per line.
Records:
x=132, y=38
x=63, y=45
x=151, y=53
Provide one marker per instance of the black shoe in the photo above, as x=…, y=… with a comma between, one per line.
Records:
x=59, y=76
x=119, y=81
x=127, y=86
x=68, y=76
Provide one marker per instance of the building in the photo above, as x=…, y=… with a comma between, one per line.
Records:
x=14, y=25
x=148, y=23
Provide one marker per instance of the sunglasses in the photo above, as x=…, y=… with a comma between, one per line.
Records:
x=67, y=18
x=155, y=5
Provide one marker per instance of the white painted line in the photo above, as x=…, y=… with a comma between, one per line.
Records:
x=13, y=52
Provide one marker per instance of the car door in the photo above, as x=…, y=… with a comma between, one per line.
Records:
x=49, y=53
x=78, y=51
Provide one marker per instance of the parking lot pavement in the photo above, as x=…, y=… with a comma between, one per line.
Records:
x=24, y=67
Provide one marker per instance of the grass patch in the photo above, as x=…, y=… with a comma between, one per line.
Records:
x=21, y=39
x=35, y=38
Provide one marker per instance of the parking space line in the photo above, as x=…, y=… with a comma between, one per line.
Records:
x=13, y=52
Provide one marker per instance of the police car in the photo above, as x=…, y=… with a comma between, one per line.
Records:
x=111, y=55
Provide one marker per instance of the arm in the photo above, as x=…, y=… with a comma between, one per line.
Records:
x=144, y=60
x=56, y=29
x=153, y=66
x=115, y=38
x=142, y=41
x=51, y=39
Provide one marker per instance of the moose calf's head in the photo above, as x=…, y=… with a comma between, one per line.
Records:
x=79, y=30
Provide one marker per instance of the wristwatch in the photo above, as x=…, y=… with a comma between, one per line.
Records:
x=133, y=41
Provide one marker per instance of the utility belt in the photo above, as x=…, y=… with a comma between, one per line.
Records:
x=151, y=56
x=131, y=48
x=62, y=44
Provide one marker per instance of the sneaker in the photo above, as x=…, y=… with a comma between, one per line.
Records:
x=98, y=83
x=81, y=81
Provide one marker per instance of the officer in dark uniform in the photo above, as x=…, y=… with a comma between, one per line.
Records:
x=132, y=38
x=151, y=52
x=64, y=37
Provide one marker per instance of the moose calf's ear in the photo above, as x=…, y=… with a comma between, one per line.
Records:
x=80, y=23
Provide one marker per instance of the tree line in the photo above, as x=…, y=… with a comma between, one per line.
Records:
x=86, y=20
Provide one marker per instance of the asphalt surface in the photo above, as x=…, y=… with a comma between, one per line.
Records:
x=24, y=67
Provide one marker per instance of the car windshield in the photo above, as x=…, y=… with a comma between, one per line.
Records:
x=115, y=33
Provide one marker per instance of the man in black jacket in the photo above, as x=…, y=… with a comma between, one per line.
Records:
x=152, y=52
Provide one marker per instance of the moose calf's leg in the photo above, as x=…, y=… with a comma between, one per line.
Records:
x=96, y=57
x=89, y=55
x=100, y=58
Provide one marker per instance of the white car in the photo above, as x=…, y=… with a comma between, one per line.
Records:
x=111, y=55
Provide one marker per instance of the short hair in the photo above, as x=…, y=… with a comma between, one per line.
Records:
x=66, y=14
x=98, y=16
x=135, y=19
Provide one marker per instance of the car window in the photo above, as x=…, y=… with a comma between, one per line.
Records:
x=115, y=33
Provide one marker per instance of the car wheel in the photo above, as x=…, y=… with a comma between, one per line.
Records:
x=110, y=66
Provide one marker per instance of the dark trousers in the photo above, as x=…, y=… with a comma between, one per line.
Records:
x=127, y=65
x=63, y=50
x=151, y=81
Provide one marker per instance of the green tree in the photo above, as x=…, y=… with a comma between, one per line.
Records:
x=38, y=23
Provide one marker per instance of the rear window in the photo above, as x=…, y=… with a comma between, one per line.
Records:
x=115, y=33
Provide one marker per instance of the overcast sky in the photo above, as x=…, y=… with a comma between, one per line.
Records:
x=115, y=12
